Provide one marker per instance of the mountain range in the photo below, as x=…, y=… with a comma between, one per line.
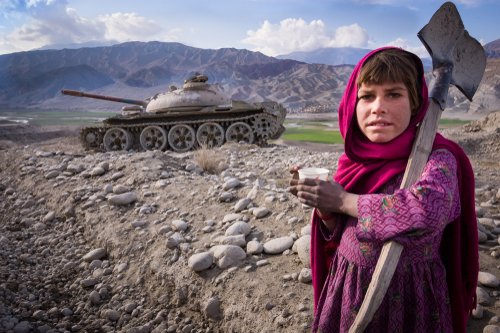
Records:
x=303, y=82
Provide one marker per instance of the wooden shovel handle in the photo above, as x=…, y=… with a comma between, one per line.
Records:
x=391, y=251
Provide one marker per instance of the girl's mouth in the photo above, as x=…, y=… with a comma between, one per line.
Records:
x=378, y=123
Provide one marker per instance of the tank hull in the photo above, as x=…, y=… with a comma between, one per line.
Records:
x=181, y=129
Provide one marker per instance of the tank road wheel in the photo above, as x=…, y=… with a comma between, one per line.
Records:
x=153, y=137
x=239, y=132
x=210, y=135
x=264, y=126
x=280, y=131
x=117, y=139
x=91, y=137
x=181, y=138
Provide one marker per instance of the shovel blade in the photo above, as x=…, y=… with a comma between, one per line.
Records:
x=450, y=45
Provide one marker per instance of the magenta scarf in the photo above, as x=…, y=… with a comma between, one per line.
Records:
x=366, y=166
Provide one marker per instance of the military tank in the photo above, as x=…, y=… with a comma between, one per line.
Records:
x=182, y=119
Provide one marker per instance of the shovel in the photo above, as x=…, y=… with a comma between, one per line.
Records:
x=457, y=59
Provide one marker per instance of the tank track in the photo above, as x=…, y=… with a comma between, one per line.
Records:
x=257, y=125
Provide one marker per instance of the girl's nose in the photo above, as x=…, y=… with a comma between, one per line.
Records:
x=378, y=106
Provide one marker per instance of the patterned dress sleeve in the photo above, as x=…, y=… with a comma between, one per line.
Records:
x=408, y=214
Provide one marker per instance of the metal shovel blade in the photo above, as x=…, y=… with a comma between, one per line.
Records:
x=448, y=43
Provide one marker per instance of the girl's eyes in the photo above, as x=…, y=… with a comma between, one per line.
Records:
x=370, y=96
x=366, y=97
x=394, y=95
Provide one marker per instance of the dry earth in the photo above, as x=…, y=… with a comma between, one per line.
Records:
x=131, y=242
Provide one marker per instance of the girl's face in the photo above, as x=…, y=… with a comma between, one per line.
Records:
x=383, y=110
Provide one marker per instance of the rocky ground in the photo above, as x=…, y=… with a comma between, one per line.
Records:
x=206, y=241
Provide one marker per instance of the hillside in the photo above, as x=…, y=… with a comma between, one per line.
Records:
x=139, y=70
x=493, y=49
x=329, y=55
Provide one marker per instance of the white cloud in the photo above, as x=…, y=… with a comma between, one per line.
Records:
x=421, y=51
x=351, y=35
x=128, y=26
x=58, y=25
x=292, y=35
x=35, y=3
x=172, y=35
x=53, y=22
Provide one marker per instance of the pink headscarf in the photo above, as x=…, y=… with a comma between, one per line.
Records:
x=366, y=166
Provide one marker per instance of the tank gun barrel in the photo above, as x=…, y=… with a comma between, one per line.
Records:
x=106, y=98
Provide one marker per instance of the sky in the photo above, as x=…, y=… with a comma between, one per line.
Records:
x=273, y=27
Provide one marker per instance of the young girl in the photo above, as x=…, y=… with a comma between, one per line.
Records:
x=433, y=287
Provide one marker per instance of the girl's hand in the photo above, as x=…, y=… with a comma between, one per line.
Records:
x=294, y=170
x=327, y=196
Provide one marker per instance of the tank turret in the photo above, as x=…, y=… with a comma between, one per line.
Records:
x=181, y=119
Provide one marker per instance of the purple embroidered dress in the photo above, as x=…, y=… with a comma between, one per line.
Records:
x=417, y=299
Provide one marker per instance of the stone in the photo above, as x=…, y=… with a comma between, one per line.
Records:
x=254, y=247
x=232, y=217
x=302, y=246
x=228, y=255
x=49, y=217
x=231, y=183
x=261, y=212
x=491, y=329
x=111, y=315
x=179, y=225
x=252, y=194
x=226, y=197
x=483, y=297
x=95, y=254
x=212, y=309
x=238, y=228
x=242, y=204
x=238, y=240
x=119, y=189
x=23, y=327
x=122, y=199
x=174, y=240
x=278, y=245
x=52, y=174
x=488, y=280
x=97, y=171
x=482, y=237
x=305, y=230
x=478, y=312
x=201, y=261
x=139, y=223
x=116, y=175
x=305, y=275
x=262, y=262
x=75, y=168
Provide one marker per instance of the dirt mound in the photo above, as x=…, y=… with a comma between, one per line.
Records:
x=107, y=242
x=480, y=139
x=489, y=123
x=13, y=134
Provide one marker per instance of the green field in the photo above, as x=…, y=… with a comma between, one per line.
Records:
x=324, y=131
x=312, y=135
x=452, y=122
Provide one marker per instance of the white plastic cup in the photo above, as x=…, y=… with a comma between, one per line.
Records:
x=314, y=173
